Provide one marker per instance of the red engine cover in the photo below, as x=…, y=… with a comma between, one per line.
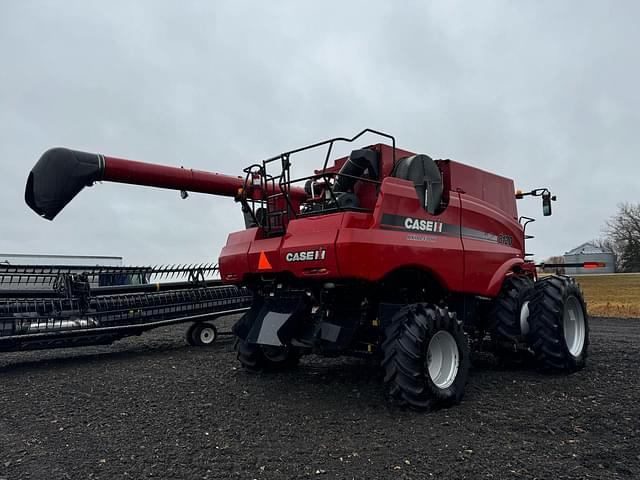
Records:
x=469, y=247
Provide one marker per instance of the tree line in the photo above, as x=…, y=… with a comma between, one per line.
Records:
x=622, y=237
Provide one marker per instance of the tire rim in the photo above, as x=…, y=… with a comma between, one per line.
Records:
x=207, y=335
x=524, y=318
x=574, y=326
x=442, y=359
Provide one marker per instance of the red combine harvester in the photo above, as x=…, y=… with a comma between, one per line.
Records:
x=383, y=253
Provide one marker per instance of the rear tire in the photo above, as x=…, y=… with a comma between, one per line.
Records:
x=256, y=358
x=426, y=358
x=559, y=325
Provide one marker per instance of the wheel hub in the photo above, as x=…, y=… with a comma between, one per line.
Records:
x=574, y=326
x=207, y=335
x=443, y=359
x=524, y=318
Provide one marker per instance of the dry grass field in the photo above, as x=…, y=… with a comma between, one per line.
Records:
x=612, y=295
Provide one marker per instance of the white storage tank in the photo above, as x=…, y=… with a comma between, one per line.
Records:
x=588, y=252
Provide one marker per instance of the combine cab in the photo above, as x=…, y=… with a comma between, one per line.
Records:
x=383, y=253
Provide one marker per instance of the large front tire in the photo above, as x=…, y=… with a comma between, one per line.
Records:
x=426, y=358
x=559, y=325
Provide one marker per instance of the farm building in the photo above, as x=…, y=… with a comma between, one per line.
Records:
x=588, y=252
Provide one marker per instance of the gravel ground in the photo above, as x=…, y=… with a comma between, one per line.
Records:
x=153, y=407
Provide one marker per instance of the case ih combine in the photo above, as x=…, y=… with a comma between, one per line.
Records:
x=382, y=253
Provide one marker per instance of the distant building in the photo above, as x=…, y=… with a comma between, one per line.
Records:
x=588, y=252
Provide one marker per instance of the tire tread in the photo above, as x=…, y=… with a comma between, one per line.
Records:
x=404, y=352
x=546, y=335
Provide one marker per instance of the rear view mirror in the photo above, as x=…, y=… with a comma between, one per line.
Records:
x=547, y=198
x=546, y=204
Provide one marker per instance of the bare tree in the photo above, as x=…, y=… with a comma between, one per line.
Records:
x=623, y=237
x=554, y=260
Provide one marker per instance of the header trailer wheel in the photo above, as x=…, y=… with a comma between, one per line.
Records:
x=202, y=334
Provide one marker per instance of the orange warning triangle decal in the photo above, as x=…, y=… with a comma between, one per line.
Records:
x=263, y=262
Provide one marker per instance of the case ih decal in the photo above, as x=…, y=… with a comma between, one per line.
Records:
x=420, y=225
x=306, y=256
x=411, y=224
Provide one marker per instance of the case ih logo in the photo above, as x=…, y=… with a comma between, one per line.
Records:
x=399, y=222
x=306, y=256
x=422, y=225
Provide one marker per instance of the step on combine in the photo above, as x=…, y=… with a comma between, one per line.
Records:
x=383, y=253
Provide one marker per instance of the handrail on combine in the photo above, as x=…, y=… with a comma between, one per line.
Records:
x=290, y=209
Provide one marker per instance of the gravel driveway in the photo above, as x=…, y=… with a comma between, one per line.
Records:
x=153, y=407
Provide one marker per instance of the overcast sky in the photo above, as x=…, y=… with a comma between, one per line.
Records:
x=547, y=93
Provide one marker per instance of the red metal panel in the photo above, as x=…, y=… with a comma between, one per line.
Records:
x=371, y=254
x=469, y=247
x=233, y=261
x=311, y=234
x=490, y=238
x=270, y=247
x=494, y=189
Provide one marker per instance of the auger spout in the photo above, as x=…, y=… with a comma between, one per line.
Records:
x=60, y=174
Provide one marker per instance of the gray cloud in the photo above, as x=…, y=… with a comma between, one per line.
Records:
x=543, y=92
